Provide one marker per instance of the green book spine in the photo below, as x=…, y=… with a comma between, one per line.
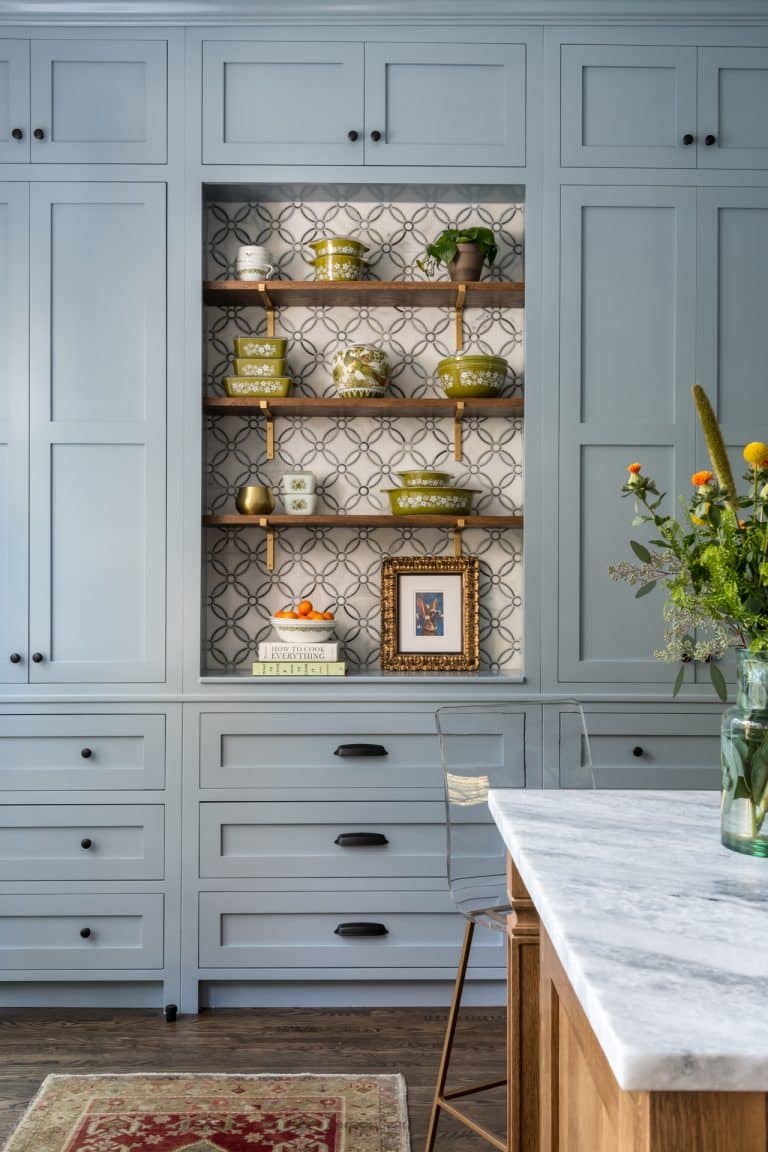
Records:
x=299, y=668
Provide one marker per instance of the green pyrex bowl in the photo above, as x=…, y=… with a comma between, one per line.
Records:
x=339, y=268
x=430, y=501
x=253, y=386
x=473, y=375
x=266, y=346
x=426, y=479
x=338, y=246
x=259, y=366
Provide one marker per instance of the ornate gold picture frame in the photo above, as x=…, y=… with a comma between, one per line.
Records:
x=430, y=614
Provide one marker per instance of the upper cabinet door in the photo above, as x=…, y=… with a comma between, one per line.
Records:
x=14, y=101
x=99, y=101
x=445, y=104
x=14, y=401
x=733, y=107
x=628, y=106
x=97, y=433
x=271, y=102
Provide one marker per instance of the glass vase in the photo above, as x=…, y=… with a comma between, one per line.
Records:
x=744, y=759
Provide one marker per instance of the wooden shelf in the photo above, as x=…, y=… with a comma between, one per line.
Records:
x=363, y=293
x=385, y=406
x=368, y=520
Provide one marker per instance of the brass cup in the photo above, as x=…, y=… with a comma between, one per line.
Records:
x=255, y=500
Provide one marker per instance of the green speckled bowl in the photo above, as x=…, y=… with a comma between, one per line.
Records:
x=425, y=479
x=259, y=366
x=464, y=376
x=271, y=347
x=430, y=501
x=338, y=246
x=253, y=386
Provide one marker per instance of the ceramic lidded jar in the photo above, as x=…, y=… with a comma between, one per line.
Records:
x=300, y=481
x=361, y=371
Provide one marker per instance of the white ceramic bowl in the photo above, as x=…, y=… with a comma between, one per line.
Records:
x=303, y=631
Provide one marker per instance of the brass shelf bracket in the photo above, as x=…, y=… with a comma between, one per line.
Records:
x=458, y=416
x=264, y=406
x=269, y=307
x=458, y=315
x=457, y=531
x=265, y=524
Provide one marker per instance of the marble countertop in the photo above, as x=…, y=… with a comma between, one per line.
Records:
x=663, y=933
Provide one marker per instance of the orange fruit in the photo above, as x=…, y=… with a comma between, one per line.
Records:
x=326, y=615
x=291, y=615
x=280, y=614
x=304, y=607
x=314, y=616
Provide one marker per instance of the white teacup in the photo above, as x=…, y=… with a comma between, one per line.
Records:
x=254, y=262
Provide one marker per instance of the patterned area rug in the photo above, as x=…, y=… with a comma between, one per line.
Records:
x=208, y=1113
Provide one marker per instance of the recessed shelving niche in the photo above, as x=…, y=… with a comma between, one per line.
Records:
x=355, y=455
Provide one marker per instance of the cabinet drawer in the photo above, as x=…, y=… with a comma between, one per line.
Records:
x=643, y=750
x=81, y=842
x=270, y=840
x=51, y=752
x=289, y=752
x=298, y=930
x=46, y=932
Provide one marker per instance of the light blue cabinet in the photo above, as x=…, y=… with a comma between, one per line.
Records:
x=97, y=432
x=14, y=101
x=272, y=102
x=664, y=106
x=14, y=306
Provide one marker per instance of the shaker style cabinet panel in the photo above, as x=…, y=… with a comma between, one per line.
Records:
x=663, y=106
x=626, y=365
x=270, y=102
x=461, y=104
x=14, y=306
x=628, y=106
x=97, y=434
x=14, y=101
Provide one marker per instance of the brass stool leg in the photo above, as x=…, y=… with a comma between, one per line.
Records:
x=450, y=1032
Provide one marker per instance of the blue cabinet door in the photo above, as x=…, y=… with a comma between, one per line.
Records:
x=97, y=432
x=733, y=107
x=14, y=400
x=272, y=102
x=627, y=325
x=99, y=101
x=14, y=101
x=452, y=104
x=628, y=106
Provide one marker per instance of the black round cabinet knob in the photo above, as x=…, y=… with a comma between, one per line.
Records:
x=17, y=133
x=637, y=750
x=376, y=135
x=352, y=135
x=37, y=657
x=15, y=658
x=86, y=842
x=85, y=933
x=39, y=134
x=86, y=753
x=688, y=138
x=710, y=140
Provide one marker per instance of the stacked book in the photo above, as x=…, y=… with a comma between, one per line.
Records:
x=279, y=659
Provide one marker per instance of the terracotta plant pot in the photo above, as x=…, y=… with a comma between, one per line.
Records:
x=468, y=264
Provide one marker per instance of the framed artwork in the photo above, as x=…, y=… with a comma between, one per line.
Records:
x=429, y=614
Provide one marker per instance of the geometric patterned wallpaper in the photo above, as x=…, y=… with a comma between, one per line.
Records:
x=353, y=458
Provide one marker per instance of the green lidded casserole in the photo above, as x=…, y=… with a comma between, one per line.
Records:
x=253, y=386
x=271, y=347
x=265, y=369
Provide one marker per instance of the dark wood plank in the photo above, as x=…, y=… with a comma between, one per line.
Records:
x=386, y=406
x=284, y=520
x=36, y=1042
x=362, y=293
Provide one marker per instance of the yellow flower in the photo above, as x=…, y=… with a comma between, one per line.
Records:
x=755, y=453
x=701, y=478
x=697, y=519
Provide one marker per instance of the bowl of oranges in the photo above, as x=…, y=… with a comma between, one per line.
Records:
x=304, y=625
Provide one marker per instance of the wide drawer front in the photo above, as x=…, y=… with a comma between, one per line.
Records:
x=81, y=842
x=382, y=839
x=89, y=932
x=88, y=752
x=345, y=751
x=336, y=930
x=643, y=750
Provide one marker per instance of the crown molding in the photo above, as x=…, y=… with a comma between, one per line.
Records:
x=349, y=13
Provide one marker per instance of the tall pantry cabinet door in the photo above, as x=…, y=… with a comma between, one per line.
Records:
x=14, y=398
x=733, y=107
x=14, y=101
x=97, y=432
x=627, y=331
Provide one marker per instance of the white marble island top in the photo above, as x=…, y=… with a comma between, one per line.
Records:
x=662, y=932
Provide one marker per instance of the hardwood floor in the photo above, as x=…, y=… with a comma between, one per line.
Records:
x=36, y=1042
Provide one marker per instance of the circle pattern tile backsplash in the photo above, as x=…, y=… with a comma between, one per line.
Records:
x=354, y=458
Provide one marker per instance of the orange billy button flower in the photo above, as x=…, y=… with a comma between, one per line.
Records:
x=701, y=479
x=634, y=468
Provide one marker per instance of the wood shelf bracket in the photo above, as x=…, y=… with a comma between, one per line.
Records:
x=458, y=315
x=460, y=526
x=458, y=416
x=270, y=429
x=265, y=524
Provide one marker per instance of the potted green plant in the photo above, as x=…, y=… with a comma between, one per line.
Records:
x=462, y=250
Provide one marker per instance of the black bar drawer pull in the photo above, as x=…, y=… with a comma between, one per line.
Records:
x=361, y=928
x=361, y=839
x=361, y=750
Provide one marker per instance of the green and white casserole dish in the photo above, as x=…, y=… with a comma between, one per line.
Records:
x=464, y=376
x=430, y=501
x=270, y=347
x=425, y=479
x=253, y=386
x=260, y=367
x=338, y=246
x=339, y=268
